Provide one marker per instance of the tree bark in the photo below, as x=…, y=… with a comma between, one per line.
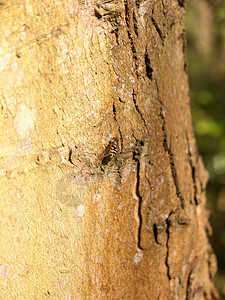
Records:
x=85, y=217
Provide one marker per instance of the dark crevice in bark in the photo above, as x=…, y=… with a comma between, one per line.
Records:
x=70, y=157
x=139, y=205
x=175, y=178
x=137, y=3
x=130, y=36
x=155, y=231
x=193, y=169
x=185, y=66
x=136, y=143
x=189, y=292
x=168, y=223
x=137, y=109
x=115, y=31
x=135, y=24
x=172, y=164
x=135, y=58
x=149, y=70
x=188, y=289
x=184, y=41
x=119, y=130
x=161, y=35
x=136, y=158
x=181, y=3
x=120, y=100
x=164, y=8
x=97, y=14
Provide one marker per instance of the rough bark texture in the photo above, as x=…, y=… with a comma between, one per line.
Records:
x=75, y=75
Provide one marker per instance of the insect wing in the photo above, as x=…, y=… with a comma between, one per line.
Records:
x=110, y=151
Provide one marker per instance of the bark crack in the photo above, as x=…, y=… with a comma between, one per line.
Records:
x=190, y=279
x=164, y=8
x=172, y=164
x=193, y=169
x=161, y=35
x=135, y=24
x=139, y=205
x=155, y=232
x=168, y=223
x=184, y=42
x=149, y=70
x=135, y=58
x=137, y=108
x=181, y=3
x=70, y=157
x=119, y=130
x=136, y=158
x=130, y=36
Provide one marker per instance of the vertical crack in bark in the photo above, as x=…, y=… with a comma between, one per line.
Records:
x=188, y=289
x=115, y=31
x=164, y=8
x=133, y=48
x=155, y=232
x=172, y=164
x=161, y=35
x=137, y=108
x=184, y=42
x=175, y=177
x=190, y=279
x=136, y=158
x=149, y=70
x=135, y=58
x=139, y=205
x=168, y=223
x=70, y=157
x=193, y=169
x=135, y=24
x=119, y=130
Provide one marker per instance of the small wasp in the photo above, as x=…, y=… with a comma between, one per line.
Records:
x=110, y=151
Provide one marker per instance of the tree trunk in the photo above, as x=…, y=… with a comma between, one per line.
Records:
x=102, y=188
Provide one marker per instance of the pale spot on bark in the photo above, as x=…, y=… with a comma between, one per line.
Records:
x=138, y=257
x=24, y=121
x=80, y=211
x=4, y=271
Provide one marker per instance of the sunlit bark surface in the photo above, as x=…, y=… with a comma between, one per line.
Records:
x=102, y=188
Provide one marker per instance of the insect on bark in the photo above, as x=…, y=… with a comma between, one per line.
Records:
x=110, y=151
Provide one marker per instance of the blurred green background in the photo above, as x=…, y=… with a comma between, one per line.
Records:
x=205, y=27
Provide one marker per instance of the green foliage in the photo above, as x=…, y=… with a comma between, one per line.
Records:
x=205, y=25
x=207, y=82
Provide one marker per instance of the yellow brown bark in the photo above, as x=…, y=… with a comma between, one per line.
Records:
x=74, y=76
